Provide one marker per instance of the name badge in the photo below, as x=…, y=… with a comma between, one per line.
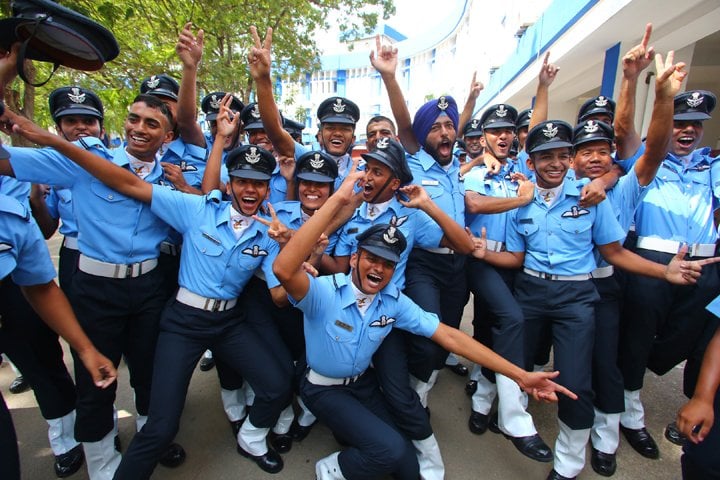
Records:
x=525, y=220
x=430, y=182
x=344, y=325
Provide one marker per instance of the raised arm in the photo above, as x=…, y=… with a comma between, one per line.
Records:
x=547, y=75
x=226, y=124
x=287, y=265
x=469, y=108
x=386, y=63
x=633, y=63
x=259, y=60
x=668, y=82
x=113, y=176
x=189, y=49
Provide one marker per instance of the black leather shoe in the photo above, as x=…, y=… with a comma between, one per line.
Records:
x=673, y=434
x=458, y=369
x=207, y=363
x=173, y=457
x=478, y=423
x=282, y=443
x=69, y=462
x=533, y=447
x=603, y=463
x=471, y=387
x=493, y=423
x=271, y=462
x=641, y=441
x=19, y=385
x=553, y=475
x=299, y=432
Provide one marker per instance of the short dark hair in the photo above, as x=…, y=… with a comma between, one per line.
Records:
x=381, y=118
x=154, y=102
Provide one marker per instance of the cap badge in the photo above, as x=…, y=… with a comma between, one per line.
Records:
x=501, y=112
x=695, y=100
x=591, y=126
x=75, y=96
x=475, y=123
x=255, y=112
x=530, y=112
x=383, y=143
x=339, y=106
x=252, y=156
x=601, y=101
x=317, y=162
x=215, y=103
x=153, y=82
x=550, y=131
x=443, y=103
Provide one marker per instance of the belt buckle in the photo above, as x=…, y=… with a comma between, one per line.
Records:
x=693, y=249
x=217, y=305
x=129, y=270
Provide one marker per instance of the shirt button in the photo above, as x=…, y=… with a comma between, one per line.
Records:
x=203, y=250
x=337, y=338
x=110, y=197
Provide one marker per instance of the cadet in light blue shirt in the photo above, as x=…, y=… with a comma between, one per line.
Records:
x=552, y=238
x=224, y=246
x=365, y=307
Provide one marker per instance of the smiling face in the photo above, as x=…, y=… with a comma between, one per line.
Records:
x=550, y=166
x=73, y=127
x=370, y=273
x=686, y=137
x=440, y=140
x=336, y=138
x=312, y=195
x=257, y=136
x=592, y=159
x=247, y=194
x=380, y=183
x=146, y=129
x=498, y=141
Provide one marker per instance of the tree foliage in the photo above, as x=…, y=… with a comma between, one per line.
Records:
x=147, y=31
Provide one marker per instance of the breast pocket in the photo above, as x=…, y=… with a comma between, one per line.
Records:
x=339, y=332
x=206, y=244
x=113, y=208
x=527, y=229
x=434, y=191
x=378, y=334
x=577, y=226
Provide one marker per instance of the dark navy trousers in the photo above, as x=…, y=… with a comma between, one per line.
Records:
x=568, y=309
x=185, y=333
x=606, y=377
x=357, y=414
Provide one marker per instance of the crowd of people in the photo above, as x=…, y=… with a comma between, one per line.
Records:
x=327, y=289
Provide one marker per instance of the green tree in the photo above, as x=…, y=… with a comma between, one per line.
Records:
x=147, y=32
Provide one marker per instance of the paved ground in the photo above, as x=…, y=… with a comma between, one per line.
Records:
x=207, y=437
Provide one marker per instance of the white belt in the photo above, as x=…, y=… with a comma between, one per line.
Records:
x=562, y=278
x=673, y=246
x=317, y=379
x=440, y=250
x=170, y=249
x=493, y=246
x=208, y=304
x=70, y=242
x=603, y=272
x=115, y=270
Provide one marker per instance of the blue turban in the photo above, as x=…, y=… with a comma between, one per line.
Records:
x=428, y=113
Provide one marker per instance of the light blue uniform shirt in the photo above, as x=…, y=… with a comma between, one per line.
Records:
x=520, y=164
x=560, y=240
x=444, y=187
x=499, y=185
x=679, y=202
x=112, y=227
x=714, y=306
x=290, y=214
x=190, y=158
x=340, y=342
x=213, y=263
x=23, y=252
x=12, y=187
x=419, y=229
x=59, y=205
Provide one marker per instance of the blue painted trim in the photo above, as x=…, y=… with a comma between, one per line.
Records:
x=612, y=58
x=557, y=19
